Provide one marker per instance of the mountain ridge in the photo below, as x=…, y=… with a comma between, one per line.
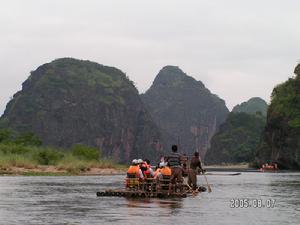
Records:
x=69, y=101
x=252, y=106
x=184, y=109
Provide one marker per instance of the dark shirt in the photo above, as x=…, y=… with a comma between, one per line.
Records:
x=195, y=162
x=174, y=159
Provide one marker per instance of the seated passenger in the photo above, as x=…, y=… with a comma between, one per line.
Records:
x=163, y=175
x=143, y=166
x=165, y=171
x=134, y=170
x=157, y=171
x=148, y=171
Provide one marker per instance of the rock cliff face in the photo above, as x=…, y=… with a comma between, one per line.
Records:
x=72, y=101
x=281, y=142
x=252, y=106
x=187, y=113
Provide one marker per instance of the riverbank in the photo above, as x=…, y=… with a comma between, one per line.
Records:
x=229, y=166
x=87, y=169
x=20, y=159
x=57, y=171
x=240, y=167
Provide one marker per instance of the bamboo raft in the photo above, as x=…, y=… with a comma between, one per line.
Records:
x=136, y=189
x=140, y=194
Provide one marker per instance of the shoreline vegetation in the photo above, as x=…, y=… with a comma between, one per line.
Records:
x=55, y=171
x=87, y=169
x=23, y=154
x=16, y=164
x=45, y=161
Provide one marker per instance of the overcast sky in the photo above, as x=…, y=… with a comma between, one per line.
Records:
x=238, y=49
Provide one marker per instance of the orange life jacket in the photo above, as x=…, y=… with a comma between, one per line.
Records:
x=134, y=170
x=165, y=171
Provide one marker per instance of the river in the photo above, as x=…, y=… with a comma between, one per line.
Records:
x=72, y=200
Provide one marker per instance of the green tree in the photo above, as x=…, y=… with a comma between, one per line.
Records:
x=5, y=135
x=85, y=153
x=28, y=139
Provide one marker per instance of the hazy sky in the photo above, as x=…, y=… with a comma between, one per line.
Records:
x=238, y=49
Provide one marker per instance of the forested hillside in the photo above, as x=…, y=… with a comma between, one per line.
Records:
x=237, y=139
x=281, y=137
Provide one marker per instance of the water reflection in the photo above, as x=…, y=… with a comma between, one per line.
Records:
x=286, y=191
x=150, y=203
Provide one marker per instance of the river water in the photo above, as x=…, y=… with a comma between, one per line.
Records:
x=72, y=200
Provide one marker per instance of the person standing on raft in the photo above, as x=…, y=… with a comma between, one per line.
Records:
x=174, y=161
x=192, y=174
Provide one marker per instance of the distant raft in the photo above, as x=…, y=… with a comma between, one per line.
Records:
x=272, y=167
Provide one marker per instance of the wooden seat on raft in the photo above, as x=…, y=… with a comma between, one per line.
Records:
x=149, y=184
x=164, y=183
x=132, y=182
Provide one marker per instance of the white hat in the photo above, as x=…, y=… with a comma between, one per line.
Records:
x=140, y=161
x=135, y=161
x=162, y=164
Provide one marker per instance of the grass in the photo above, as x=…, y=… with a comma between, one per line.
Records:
x=14, y=160
x=75, y=166
x=73, y=161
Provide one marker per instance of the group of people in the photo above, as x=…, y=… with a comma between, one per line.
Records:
x=269, y=166
x=175, y=166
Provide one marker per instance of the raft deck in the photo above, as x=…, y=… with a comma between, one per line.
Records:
x=140, y=194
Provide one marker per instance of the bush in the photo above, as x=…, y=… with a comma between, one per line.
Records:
x=8, y=136
x=5, y=135
x=79, y=159
x=28, y=139
x=85, y=153
x=73, y=165
x=12, y=148
x=48, y=156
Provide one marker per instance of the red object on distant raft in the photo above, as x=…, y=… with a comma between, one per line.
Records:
x=268, y=167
